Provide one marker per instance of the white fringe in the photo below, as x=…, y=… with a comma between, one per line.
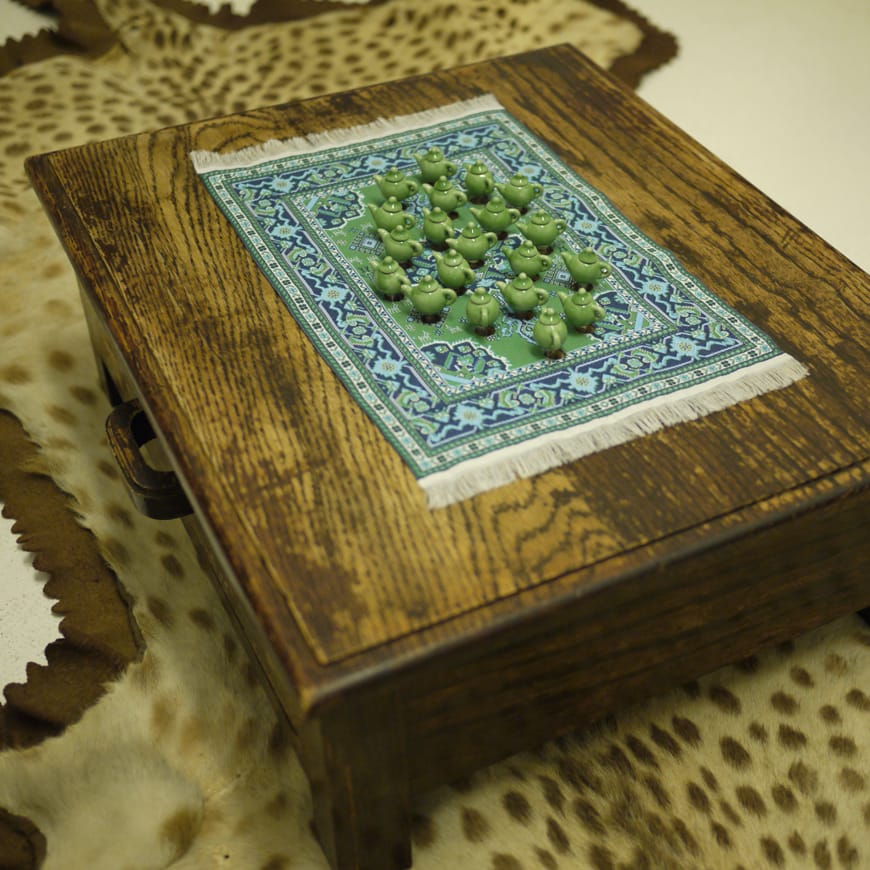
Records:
x=274, y=149
x=556, y=448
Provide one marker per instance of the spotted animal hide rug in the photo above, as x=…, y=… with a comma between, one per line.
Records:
x=181, y=762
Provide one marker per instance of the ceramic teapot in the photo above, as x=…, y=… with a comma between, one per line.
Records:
x=429, y=298
x=526, y=258
x=399, y=245
x=495, y=215
x=444, y=195
x=482, y=311
x=550, y=332
x=541, y=228
x=522, y=295
x=388, y=278
x=395, y=183
x=479, y=182
x=453, y=270
x=390, y=215
x=586, y=268
x=519, y=191
x=581, y=310
x=473, y=242
x=433, y=164
x=437, y=226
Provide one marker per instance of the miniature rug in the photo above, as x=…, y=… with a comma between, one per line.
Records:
x=469, y=413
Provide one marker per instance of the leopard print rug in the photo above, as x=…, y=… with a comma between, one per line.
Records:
x=182, y=762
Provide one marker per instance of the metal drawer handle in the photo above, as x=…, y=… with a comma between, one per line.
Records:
x=157, y=494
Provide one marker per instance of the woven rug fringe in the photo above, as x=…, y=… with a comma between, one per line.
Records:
x=557, y=448
x=274, y=149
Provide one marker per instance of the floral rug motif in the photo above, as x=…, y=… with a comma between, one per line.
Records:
x=468, y=413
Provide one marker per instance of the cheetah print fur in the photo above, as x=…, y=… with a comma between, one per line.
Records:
x=183, y=763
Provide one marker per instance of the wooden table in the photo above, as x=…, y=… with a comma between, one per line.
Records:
x=409, y=646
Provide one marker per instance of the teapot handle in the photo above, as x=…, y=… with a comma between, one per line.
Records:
x=449, y=296
x=408, y=220
x=413, y=187
x=545, y=262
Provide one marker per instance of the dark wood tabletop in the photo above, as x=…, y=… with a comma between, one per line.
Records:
x=634, y=567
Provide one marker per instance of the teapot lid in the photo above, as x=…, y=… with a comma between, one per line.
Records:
x=452, y=257
x=399, y=233
x=392, y=204
x=434, y=153
x=496, y=203
x=388, y=264
x=587, y=255
x=540, y=218
x=548, y=315
x=479, y=296
x=471, y=230
x=437, y=214
x=522, y=281
x=527, y=248
x=478, y=168
x=443, y=183
x=518, y=180
x=428, y=285
x=394, y=174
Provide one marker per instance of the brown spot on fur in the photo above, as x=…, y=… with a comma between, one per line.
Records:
x=517, y=806
x=686, y=730
x=721, y=835
x=61, y=360
x=836, y=664
x=858, y=700
x=502, y=861
x=796, y=844
x=116, y=550
x=847, y=853
x=791, y=738
x=162, y=716
x=830, y=715
x=109, y=469
x=843, y=746
x=751, y=801
x=802, y=677
x=172, y=566
x=61, y=415
x=276, y=862
x=772, y=851
x=553, y=794
x=15, y=374
x=783, y=703
x=201, y=618
x=164, y=539
x=641, y=751
x=546, y=859
x=758, y=732
x=698, y=797
x=601, y=858
x=662, y=739
x=279, y=806
x=784, y=798
x=822, y=855
x=734, y=754
x=557, y=837
x=84, y=395
x=119, y=514
x=725, y=700
x=804, y=777
x=588, y=815
x=826, y=812
x=180, y=829
x=475, y=827
x=851, y=780
x=160, y=610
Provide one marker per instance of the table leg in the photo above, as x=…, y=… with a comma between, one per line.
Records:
x=356, y=762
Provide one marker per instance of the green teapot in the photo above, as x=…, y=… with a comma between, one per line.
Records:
x=444, y=195
x=453, y=270
x=522, y=295
x=541, y=228
x=437, y=226
x=550, y=332
x=526, y=258
x=429, y=298
x=479, y=182
x=581, y=310
x=389, y=277
x=395, y=183
x=586, y=268
x=399, y=245
x=519, y=191
x=390, y=214
x=433, y=164
x=473, y=242
x=495, y=215
x=482, y=311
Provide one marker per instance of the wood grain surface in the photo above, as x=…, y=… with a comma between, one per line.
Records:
x=322, y=527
